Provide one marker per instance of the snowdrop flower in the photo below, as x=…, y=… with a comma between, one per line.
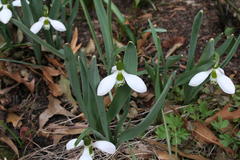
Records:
x=17, y=3
x=5, y=12
x=216, y=75
x=88, y=153
x=45, y=23
x=118, y=78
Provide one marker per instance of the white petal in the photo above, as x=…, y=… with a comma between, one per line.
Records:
x=198, y=78
x=17, y=3
x=59, y=26
x=105, y=146
x=35, y=28
x=106, y=84
x=85, y=155
x=5, y=14
x=225, y=83
x=135, y=82
x=114, y=69
x=71, y=144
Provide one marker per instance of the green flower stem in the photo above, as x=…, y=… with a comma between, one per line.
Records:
x=167, y=134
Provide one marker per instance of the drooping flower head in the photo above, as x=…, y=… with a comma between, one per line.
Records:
x=5, y=12
x=218, y=76
x=45, y=22
x=88, y=152
x=118, y=78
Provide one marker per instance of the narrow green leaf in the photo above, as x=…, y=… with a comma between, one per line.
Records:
x=122, y=20
x=130, y=59
x=193, y=41
x=27, y=14
x=55, y=8
x=37, y=9
x=152, y=115
x=231, y=53
x=96, y=41
x=122, y=95
x=226, y=45
x=208, y=52
x=106, y=31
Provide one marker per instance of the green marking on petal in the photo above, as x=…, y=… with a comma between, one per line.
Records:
x=120, y=77
x=90, y=150
x=214, y=74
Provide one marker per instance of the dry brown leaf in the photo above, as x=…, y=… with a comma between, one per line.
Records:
x=133, y=113
x=54, y=62
x=74, y=46
x=142, y=41
x=178, y=42
x=225, y=114
x=54, y=108
x=2, y=108
x=17, y=77
x=66, y=89
x=48, y=74
x=174, y=149
x=90, y=48
x=163, y=155
x=57, y=132
x=202, y=133
x=14, y=119
x=145, y=16
x=10, y=143
x=140, y=150
x=6, y=90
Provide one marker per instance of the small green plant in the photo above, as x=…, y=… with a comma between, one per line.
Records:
x=220, y=123
x=226, y=139
x=198, y=111
x=176, y=130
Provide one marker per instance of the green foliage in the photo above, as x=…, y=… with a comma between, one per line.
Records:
x=227, y=139
x=220, y=123
x=176, y=130
x=198, y=111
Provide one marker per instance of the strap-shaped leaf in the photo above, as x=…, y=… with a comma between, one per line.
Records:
x=231, y=53
x=208, y=52
x=142, y=126
x=27, y=14
x=119, y=100
x=193, y=41
x=130, y=59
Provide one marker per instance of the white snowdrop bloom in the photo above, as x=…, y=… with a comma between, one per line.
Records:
x=17, y=3
x=5, y=12
x=216, y=75
x=88, y=153
x=118, y=78
x=45, y=22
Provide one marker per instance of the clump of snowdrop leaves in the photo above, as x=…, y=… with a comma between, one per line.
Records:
x=88, y=153
x=5, y=12
x=118, y=78
x=216, y=75
x=45, y=22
